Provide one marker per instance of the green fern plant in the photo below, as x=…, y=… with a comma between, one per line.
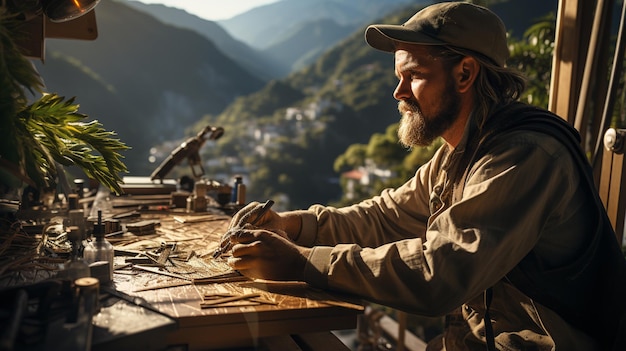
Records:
x=36, y=137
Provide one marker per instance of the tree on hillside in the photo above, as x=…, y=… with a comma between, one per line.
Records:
x=533, y=56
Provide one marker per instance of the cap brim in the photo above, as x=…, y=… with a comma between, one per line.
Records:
x=385, y=36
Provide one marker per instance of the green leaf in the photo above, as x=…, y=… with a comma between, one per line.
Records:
x=49, y=131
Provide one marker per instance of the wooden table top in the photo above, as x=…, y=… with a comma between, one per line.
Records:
x=287, y=308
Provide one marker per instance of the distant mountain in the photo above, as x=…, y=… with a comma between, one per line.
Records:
x=147, y=80
x=261, y=26
x=254, y=61
x=271, y=48
x=307, y=42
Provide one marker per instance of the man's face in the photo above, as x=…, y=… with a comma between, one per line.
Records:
x=428, y=100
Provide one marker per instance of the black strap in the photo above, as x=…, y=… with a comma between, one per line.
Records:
x=490, y=338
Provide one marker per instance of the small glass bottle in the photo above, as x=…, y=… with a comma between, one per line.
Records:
x=241, y=194
x=75, y=267
x=99, y=252
x=235, y=194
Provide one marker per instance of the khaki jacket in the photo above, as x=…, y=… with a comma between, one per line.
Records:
x=413, y=249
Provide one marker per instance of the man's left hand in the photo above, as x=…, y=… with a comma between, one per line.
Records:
x=260, y=253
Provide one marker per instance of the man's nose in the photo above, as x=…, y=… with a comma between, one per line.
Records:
x=402, y=91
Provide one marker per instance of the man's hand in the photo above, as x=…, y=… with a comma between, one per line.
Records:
x=259, y=253
x=252, y=213
x=255, y=214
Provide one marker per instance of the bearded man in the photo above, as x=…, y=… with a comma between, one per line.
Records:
x=502, y=230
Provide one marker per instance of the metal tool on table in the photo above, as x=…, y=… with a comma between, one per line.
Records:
x=259, y=214
x=189, y=149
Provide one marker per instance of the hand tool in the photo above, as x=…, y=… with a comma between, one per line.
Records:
x=189, y=149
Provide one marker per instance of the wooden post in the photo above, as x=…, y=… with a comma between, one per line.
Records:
x=612, y=190
x=566, y=71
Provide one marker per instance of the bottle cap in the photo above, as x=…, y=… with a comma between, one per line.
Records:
x=73, y=234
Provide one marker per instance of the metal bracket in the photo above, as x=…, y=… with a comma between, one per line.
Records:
x=614, y=140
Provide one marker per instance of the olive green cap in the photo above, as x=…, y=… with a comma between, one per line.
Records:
x=458, y=24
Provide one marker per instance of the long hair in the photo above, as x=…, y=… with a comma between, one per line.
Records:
x=493, y=86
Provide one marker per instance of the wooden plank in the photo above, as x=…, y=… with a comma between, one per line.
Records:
x=280, y=343
x=564, y=68
x=391, y=328
x=613, y=195
x=604, y=185
x=252, y=331
x=612, y=190
x=320, y=341
x=617, y=196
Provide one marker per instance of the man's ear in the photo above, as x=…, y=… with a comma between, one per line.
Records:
x=466, y=73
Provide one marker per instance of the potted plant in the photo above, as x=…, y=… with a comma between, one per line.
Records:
x=38, y=139
x=39, y=136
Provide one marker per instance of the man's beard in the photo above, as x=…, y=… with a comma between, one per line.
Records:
x=416, y=129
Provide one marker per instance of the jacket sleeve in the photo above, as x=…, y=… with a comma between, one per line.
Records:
x=385, y=249
x=394, y=215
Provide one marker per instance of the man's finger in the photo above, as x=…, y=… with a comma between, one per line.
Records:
x=243, y=214
x=247, y=249
x=239, y=263
x=245, y=236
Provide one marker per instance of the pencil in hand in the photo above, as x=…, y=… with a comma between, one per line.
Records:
x=259, y=214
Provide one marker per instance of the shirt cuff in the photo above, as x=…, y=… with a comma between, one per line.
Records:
x=316, y=269
x=308, y=229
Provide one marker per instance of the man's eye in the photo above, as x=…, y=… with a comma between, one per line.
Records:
x=415, y=75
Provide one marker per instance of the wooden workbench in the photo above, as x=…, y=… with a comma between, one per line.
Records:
x=298, y=313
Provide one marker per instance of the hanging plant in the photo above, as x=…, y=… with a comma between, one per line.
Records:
x=36, y=137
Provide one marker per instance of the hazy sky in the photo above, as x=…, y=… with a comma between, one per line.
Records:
x=212, y=9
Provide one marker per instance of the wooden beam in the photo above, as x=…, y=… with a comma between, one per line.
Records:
x=617, y=195
x=612, y=187
x=398, y=332
x=565, y=62
x=575, y=60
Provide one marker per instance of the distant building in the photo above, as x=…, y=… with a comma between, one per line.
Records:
x=362, y=179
